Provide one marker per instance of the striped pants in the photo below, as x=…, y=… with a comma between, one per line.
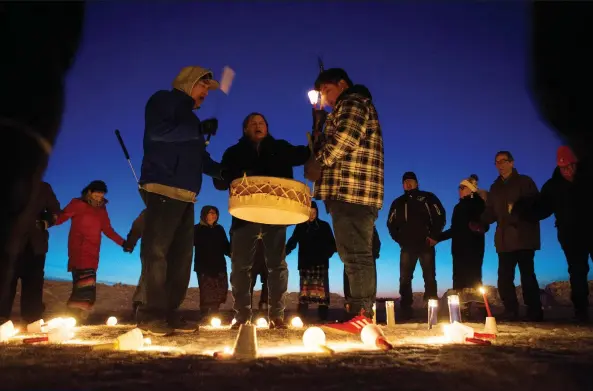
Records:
x=84, y=289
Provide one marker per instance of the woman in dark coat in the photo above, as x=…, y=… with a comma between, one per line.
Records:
x=467, y=235
x=316, y=246
x=211, y=245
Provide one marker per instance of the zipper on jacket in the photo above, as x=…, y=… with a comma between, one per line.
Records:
x=406, y=211
x=429, y=214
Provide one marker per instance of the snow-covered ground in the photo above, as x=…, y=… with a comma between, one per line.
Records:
x=523, y=356
x=554, y=355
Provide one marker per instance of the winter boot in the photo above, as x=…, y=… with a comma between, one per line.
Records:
x=278, y=324
x=302, y=309
x=323, y=312
x=581, y=315
x=509, y=315
x=407, y=313
x=535, y=314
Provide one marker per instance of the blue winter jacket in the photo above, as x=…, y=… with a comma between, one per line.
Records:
x=174, y=147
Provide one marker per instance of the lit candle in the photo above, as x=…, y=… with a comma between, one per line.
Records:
x=314, y=338
x=262, y=322
x=215, y=322
x=296, y=322
x=433, y=306
x=390, y=311
x=313, y=97
x=483, y=292
x=375, y=313
x=454, y=310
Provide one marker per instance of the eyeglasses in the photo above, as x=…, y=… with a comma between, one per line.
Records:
x=461, y=188
x=501, y=161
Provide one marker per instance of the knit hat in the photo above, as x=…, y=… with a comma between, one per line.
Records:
x=565, y=156
x=471, y=183
x=409, y=175
x=95, y=186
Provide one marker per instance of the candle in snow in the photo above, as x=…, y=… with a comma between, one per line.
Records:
x=454, y=310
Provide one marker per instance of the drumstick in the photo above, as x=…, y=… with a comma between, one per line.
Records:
x=310, y=141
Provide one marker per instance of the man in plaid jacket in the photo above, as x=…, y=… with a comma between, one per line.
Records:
x=348, y=170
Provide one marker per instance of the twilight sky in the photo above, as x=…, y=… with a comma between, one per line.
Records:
x=449, y=82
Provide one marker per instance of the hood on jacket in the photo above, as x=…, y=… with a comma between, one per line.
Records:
x=189, y=76
x=204, y=212
x=357, y=89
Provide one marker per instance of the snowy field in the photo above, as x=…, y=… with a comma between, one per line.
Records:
x=554, y=355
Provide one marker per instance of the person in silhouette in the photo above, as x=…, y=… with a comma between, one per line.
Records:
x=467, y=235
x=316, y=246
x=516, y=238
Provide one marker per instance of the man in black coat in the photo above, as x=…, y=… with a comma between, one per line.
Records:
x=416, y=220
x=30, y=263
x=575, y=235
x=259, y=154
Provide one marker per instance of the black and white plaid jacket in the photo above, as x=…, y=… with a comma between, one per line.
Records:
x=350, y=152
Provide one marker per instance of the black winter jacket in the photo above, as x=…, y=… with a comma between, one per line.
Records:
x=414, y=217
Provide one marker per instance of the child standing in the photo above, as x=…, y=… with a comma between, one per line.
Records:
x=89, y=219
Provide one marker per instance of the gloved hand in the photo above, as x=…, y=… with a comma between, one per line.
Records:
x=41, y=224
x=319, y=117
x=209, y=126
x=476, y=227
x=431, y=242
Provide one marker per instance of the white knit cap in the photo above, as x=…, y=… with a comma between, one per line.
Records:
x=471, y=183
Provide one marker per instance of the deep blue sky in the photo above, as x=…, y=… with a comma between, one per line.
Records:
x=449, y=82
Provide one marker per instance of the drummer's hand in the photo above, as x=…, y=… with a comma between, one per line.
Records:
x=209, y=126
x=312, y=170
x=320, y=116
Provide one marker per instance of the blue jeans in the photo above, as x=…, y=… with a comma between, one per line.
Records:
x=243, y=250
x=353, y=230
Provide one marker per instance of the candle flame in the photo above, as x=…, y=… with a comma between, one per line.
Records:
x=111, y=321
x=215, y=322
x=313, y=97
x=262, y=322
x=296, y=322
x=482, y=290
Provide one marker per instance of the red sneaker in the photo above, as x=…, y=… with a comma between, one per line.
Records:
x=353, y=326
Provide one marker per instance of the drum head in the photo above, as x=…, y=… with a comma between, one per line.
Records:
x=263, y=215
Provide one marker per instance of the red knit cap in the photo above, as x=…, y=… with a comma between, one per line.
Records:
x=564, y=156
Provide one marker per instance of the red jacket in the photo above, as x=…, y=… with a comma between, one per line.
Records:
x=84, y=240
